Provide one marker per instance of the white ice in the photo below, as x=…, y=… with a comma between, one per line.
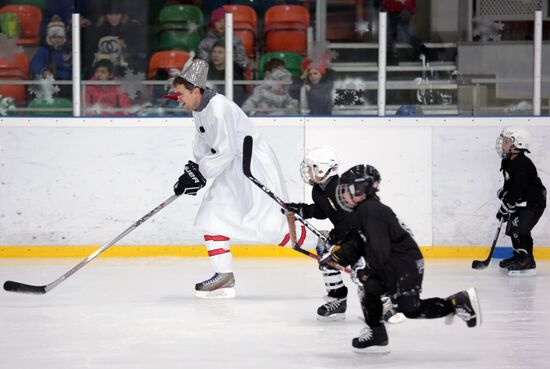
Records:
x=141, y=313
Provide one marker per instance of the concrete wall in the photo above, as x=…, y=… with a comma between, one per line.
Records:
x=83, y=181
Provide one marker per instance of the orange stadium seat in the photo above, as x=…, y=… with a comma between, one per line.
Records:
x=14, y=70
x=285, y=28
x=30, y=18
x=245, y=25
x=165, y=60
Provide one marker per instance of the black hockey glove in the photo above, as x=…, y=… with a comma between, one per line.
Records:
x=295, y=207
x=330, y=259
x=501, y=193
x=505, y=211
x=191, y=181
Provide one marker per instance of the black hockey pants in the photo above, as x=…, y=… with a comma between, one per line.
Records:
x=519, y=227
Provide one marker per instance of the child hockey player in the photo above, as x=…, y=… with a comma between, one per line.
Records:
x=386, y=259
x=320, y=170
x=523, y=198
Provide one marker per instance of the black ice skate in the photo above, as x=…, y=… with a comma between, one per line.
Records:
x=524, y=265
x=220, y=285
x=371, y=340
x=466, y=307
x=333, y=310
x=504, y=264
x=389, y=314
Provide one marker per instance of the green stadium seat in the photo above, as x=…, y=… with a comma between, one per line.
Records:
x=292, y=61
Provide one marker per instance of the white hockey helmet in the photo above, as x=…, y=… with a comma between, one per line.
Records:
x=520, y=136
x=319, y=164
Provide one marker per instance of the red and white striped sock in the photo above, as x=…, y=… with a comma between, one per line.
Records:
x=219, y=253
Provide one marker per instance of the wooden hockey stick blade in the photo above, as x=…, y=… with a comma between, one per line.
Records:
x=12, y=286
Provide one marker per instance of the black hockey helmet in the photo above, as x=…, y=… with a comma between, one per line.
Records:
x=359, y=180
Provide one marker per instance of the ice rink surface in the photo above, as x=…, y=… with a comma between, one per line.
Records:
x=141, y=313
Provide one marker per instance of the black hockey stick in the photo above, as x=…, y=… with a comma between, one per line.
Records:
x=482, y=264
x=41, y=290
x=247, y=160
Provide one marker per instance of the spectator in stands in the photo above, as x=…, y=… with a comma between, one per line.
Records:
x=399, y=19
x=65, y=9
x=318, y=86
x=217, y=33
x=272, y=97
x=54, y=59
x=103, y=97
x=273, y=65
x=119, y=38
x=216, y=72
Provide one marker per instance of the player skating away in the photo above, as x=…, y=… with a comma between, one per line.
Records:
x=523, y=198
x=232, y=207
x=320, y=170
x=386, y=259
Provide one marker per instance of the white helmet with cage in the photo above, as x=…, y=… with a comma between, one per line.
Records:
x=319, y=164
x=520, y=138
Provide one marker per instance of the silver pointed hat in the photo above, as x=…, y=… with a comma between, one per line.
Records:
x=196, y=73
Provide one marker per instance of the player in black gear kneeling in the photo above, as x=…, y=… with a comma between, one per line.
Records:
x=386, y=259
x=523, y=198
x=320, y=170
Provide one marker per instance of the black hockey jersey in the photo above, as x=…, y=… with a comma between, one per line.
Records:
x=385, y=242
x=325, y=206
x=522, y=183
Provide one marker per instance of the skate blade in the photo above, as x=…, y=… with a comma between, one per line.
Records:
x=397, y=318
x=377, y=350
x=522, y=273
x=472, y=293
x=221, y=293
x=332, y=318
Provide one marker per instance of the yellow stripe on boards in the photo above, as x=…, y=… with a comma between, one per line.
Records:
x=239, y=251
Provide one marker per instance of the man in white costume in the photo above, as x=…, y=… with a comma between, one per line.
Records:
x=233, y=207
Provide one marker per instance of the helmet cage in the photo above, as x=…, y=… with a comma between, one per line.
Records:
x=358, y=181
x=317, y=171
x=520, y=140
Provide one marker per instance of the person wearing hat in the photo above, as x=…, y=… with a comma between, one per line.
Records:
x=272, y=97
x=216, y=34
x=55, y=59
x=233, y=207
x=318, y=86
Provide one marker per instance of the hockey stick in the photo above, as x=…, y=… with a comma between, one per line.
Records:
x=247, y=160
x=482, y=264
x=41, y=290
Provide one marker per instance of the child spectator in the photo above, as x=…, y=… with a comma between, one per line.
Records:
x=272, y=98
x=216, y=72
x=318, y=85
x=54, y=59
x=275, y=64
x=217, y=33
x=100, y=97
